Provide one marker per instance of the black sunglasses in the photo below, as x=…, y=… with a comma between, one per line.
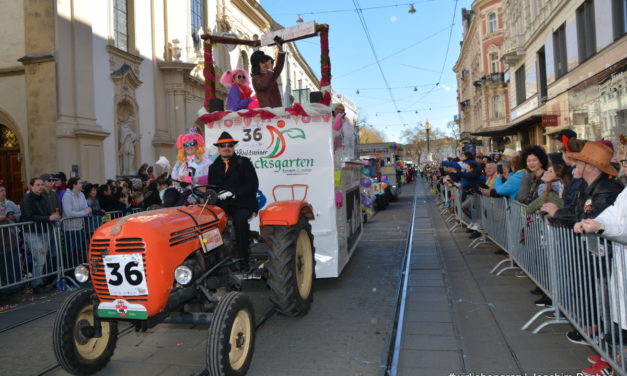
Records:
x=193, y=143
x=227, y=145
x=240, y=76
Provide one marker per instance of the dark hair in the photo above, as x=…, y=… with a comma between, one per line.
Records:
x=142, y=169
x=468, y=155
x=102, y=189
x=72, y=182
x=561, y=172
x=165, y=181
x=488, y=158
x=33, y=180
x=539, y=152
x=517, y=163
x=3, y=186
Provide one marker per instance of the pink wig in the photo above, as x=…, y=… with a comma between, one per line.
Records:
x=228, y=77
x=190, y=137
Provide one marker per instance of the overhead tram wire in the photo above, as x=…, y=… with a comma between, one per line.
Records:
x=352, y=10
x=448, y=46
x=376, y=57
x=396, y=53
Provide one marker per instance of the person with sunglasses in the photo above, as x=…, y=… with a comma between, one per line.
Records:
x=264, y=77
x=192, y=164
x=238, y=83
x=237, y=175
x=49, y=193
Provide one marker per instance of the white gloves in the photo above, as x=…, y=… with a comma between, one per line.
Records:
x=224, y=195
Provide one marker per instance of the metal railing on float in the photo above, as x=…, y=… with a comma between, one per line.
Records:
x=38, y=253
x=585, y=276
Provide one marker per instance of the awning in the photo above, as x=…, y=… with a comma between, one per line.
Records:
x=509, y=129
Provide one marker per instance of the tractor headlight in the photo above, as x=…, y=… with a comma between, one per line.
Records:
x=183, y=274
x=81, y=273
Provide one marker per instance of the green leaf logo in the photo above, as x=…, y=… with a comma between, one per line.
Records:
x=294, y=133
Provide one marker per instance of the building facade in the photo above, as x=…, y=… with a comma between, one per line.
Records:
x=482, y=92
x=566, y=62
x=107, y=85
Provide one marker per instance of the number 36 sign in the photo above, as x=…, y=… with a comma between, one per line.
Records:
x=125, y=275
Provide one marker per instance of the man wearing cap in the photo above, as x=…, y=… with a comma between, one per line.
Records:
x=592, y=164
x=49, y=193
x=237, y=176
x=264, y=77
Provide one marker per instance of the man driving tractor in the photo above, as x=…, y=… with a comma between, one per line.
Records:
x=238, y=178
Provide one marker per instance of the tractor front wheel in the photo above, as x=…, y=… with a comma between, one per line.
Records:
x=291, y=268
x=75, y=347
x=231, y=339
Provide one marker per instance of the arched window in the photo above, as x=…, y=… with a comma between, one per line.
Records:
x=492, y=26
x=245, y=63
x=495, y=67
x=497, y=107
x=8, y=139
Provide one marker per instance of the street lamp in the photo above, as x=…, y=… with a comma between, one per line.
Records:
x=427, y=129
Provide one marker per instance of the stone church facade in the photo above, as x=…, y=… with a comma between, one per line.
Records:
x=108, y=85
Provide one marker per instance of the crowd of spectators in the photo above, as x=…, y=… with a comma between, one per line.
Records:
x=27, y=244
x=581, y=187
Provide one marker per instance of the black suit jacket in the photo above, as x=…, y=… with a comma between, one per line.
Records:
x=240, y=178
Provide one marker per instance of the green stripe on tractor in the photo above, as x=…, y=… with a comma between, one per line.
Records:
x=112, y=313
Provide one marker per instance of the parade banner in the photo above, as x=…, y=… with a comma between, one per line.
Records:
x=291, y=150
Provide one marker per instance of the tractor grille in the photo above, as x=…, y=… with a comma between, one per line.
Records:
x=121, y=246
x=189, y=234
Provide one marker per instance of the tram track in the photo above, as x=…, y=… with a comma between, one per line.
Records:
x=391, y=368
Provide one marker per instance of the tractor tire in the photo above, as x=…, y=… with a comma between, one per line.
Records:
x=231, y=339
x=292, y=268
x=76, y=351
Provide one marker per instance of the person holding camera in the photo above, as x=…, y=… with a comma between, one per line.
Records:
x=264, y=76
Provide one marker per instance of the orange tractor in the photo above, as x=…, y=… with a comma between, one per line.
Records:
x=173, y=265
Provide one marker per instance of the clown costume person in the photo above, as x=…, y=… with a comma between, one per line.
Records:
x=239, y=89
x=192, y=164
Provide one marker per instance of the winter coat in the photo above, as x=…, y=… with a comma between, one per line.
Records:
x=240, y=178
x=590, y=202
x=511, y=186
x=614, y=220
x=266, y=87
x=35, y=208
x=526, y=180
x=234, y=102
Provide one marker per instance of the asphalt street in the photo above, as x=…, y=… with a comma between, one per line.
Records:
x=345, y=333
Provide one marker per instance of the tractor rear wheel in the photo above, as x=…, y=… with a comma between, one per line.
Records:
x=75, y=347
x=291, y=268
x=231, y=339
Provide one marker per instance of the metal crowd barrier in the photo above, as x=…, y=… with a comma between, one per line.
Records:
x=38, y=252
x=585, y=276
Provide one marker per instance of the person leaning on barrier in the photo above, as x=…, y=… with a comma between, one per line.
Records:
x=593, y=166
x=536, y=162
x=38, y=236
x=554, y=183
x=49, y=193
x=9, y=212
x=510, y=187
x=75, y=208
x=612, y=225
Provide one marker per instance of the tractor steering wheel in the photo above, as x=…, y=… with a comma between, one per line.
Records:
x=208, y=192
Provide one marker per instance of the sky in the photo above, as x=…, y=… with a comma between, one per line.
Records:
x=411, y=50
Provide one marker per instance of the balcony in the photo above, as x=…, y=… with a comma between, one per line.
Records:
x=513, y=50
x=493, y=78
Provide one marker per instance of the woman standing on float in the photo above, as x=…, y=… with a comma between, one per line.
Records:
x=192, y=164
